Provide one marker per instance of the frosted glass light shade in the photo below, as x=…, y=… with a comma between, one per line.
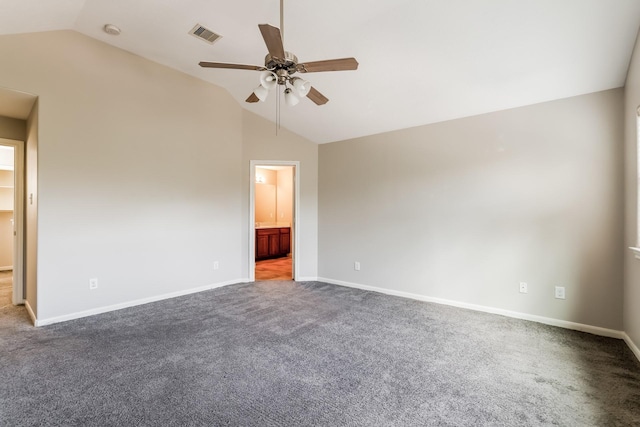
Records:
x=301, y=86
x=289, y=98
x=268, y=80
x=261, y=92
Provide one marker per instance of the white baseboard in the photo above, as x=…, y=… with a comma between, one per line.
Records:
x=6, y=267
x=32, y=315
x=634, y=348
x=596, y=330
x=540, y=319
x=120, y=306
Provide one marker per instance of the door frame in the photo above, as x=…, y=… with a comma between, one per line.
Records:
x=18, y=218
x=295, y=220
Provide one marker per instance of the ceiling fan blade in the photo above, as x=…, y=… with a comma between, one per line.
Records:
x=273, y=40
x=232, y=66
x=342, y=64
x=317, y=97
x=252, y=98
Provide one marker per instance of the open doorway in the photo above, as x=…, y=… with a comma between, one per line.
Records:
x=273, y=248
x=11, y=181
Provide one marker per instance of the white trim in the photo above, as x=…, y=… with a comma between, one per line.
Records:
x=6, y=268
x=307, y=279
x=596, y=330
x=120, y=306
x=636, y=251
x=634, y=348
x=295, y=226
x=32, y=315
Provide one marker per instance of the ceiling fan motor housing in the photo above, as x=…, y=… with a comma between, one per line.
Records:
x=282, y=67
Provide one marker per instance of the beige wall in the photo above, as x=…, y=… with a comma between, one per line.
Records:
x=31, y=211
x=274, y=196
x=465, y=210
x=12, y=128
x=284, y=195
x=632, y=265
x=111, y=124
x=25, y=130
x=266, y=196
x=105, y=130
x=261, y=143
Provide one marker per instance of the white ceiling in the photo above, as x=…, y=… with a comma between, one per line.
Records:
x=421, y=61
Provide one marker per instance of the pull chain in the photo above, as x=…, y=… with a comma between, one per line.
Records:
x=277, y=109
x=278, y=94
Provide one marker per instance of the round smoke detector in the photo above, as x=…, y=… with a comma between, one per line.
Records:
x=112, y=29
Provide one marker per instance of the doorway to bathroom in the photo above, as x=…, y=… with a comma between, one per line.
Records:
x=273, y=213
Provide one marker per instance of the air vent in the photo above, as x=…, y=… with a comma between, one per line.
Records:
x=204, y=34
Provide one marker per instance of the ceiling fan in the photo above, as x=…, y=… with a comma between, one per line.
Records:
x=280, y=66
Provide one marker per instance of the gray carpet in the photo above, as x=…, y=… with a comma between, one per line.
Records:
x=301, y=354
x=6, y=288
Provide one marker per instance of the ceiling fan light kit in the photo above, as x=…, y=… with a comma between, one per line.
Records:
x=268, y=79
x=261, y=92
x=280, y=66
x=289, y=98
x=301, y=86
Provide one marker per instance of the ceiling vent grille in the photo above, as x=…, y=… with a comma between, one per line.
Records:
x=205, y=34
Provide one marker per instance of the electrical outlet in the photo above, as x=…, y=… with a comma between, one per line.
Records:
x=356, y=266
x=523, y=288
x=560, y=292
x=93, y=283
x=216, y=265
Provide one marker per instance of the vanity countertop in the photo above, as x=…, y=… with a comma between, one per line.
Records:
x=260, y=226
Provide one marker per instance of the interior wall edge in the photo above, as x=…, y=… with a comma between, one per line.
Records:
x=32, y=315
x=634, y=348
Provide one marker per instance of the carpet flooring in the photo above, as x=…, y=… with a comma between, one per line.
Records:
x=6, y=288
x=309, y=354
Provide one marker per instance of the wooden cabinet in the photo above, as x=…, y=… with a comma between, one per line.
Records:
x=262, y=245
x=285, y=241
x=272, y=242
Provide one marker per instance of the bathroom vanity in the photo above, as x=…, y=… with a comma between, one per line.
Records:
x=272, y=242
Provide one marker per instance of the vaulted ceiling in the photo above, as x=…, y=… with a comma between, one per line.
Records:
x=421, y=61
